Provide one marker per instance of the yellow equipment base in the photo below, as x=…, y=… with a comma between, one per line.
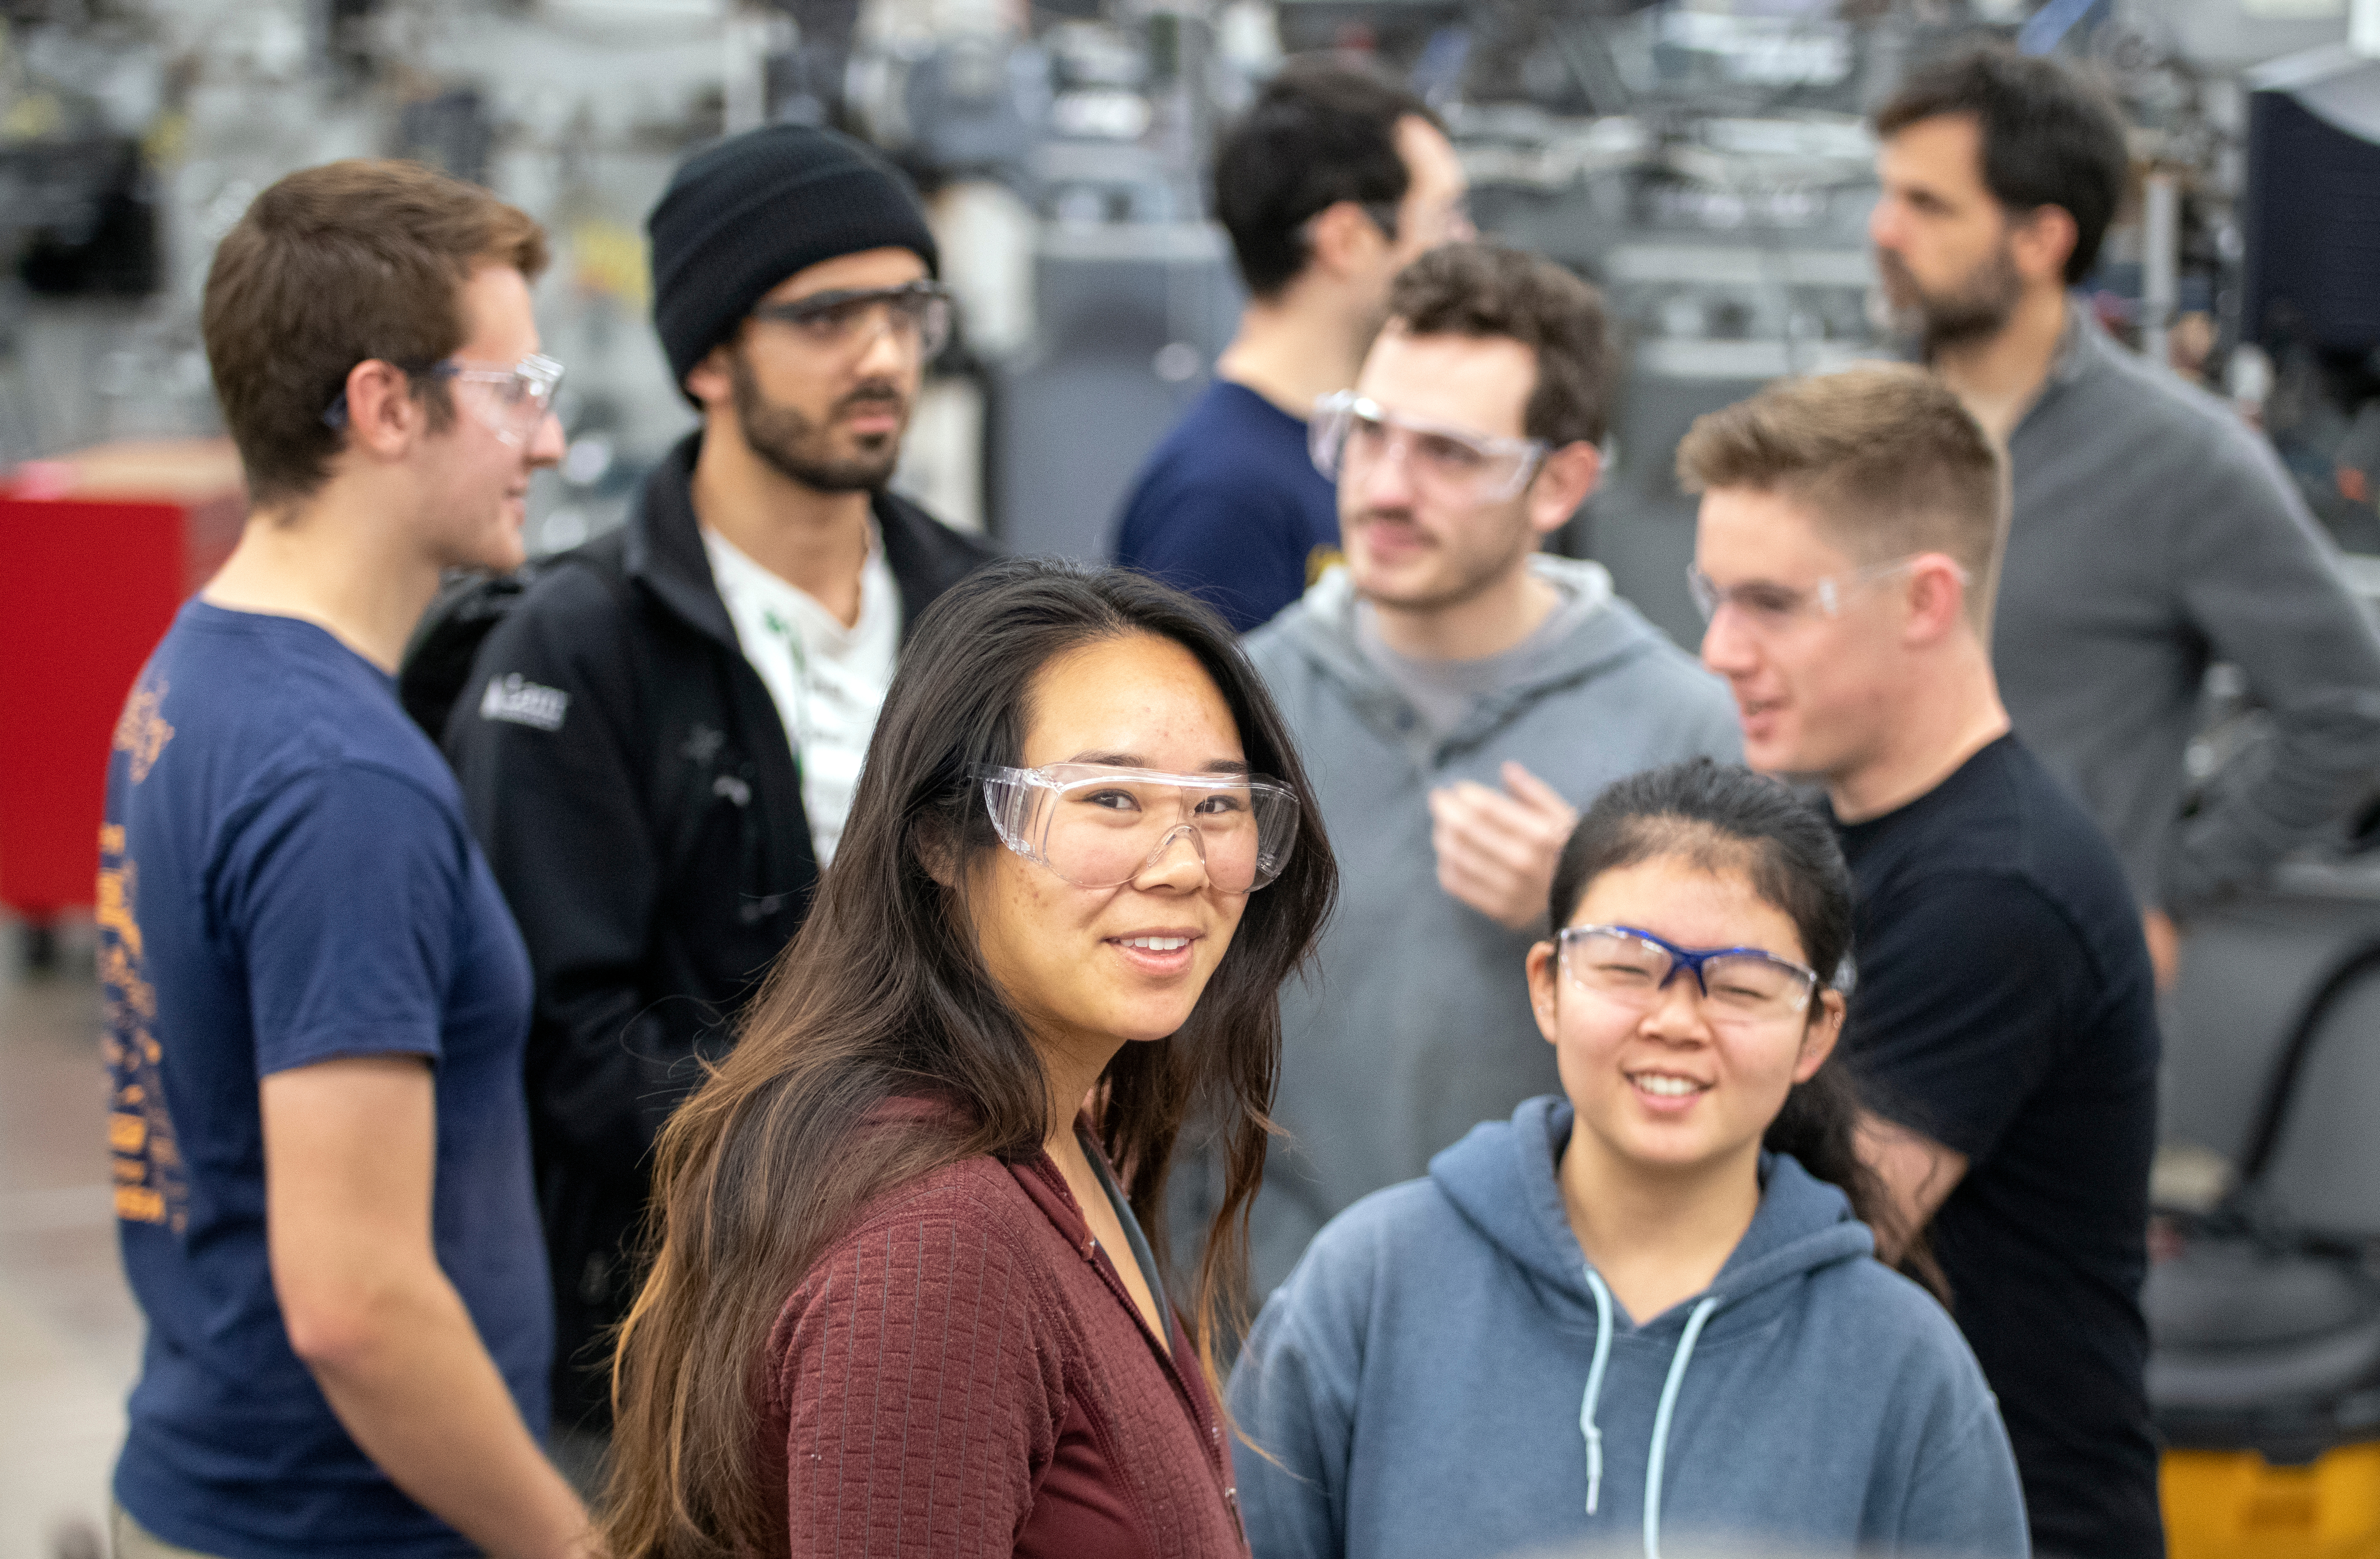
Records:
x=2233, y=1505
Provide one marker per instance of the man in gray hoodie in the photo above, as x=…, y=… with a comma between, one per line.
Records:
x=1458, y=696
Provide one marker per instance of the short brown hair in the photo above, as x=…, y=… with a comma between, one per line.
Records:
x=1487, y=290
x=336, y=266
x=1885, y=458
x=2051, y=136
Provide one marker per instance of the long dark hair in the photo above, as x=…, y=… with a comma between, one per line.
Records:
x=1720, y=817
x=884, y=994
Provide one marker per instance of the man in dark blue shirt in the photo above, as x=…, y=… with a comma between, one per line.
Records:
x=2004, y=1017
x=316, y=1001
x=1327, y=185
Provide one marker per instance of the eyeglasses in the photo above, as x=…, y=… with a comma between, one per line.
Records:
x=845, y=323
x=1100, y=827
x=1630, y=967
x=1350, y=435
x=513, y=402
x=1769, y=606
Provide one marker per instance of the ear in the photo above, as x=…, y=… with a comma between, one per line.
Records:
x=937, y=854
x=1938, y=598
x=1825, y=1027
x=2040, y=242
x=712, y=381
x=1346, y=240
x=383, y=418
x=1542, y=970
x=1562, y=484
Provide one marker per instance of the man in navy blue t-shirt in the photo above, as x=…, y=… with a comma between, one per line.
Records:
x=316, y=1001
x=1329, y=183
x=2004, y=1017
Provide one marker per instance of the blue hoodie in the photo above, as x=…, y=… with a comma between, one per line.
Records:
x=1444, y=1375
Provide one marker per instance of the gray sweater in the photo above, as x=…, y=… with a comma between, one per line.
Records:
x=2154, y=533
x=1416, y=1026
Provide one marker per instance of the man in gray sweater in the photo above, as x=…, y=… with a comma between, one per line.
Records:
x=2152, y=533
x=1458, y=696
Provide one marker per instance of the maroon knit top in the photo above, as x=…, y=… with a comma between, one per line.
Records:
x=965, y=1374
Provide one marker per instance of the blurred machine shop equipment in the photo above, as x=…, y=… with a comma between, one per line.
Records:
x=2310, y=292
x=1703, y=161
x=2312, y=204
x=1709, y=170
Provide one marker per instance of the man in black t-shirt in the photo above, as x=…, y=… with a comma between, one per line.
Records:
x=2003, y=1017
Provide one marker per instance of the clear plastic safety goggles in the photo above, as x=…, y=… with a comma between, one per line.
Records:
x=1350, y=435
x=1100, y=827
x=512, y=402
x=845, y=323
x=1632, y=968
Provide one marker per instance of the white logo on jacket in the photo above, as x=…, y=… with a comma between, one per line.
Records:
x=523, y=702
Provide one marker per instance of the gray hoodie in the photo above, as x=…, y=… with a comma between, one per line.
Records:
x=1416, y=1025
x=1444, y=1377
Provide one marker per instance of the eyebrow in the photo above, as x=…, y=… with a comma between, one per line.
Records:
x=1234, y=766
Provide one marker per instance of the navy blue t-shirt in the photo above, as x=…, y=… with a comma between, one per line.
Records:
x=284, y=878
x=1230, y=509
x=2005, y=1007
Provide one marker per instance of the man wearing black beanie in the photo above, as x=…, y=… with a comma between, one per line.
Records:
x=658, y=742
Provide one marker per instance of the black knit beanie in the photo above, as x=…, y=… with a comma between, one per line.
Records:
x=743, y=214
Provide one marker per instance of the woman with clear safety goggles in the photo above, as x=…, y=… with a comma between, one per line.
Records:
x=908, y=1296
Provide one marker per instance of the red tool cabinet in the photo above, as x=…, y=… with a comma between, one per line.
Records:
x=97, y=552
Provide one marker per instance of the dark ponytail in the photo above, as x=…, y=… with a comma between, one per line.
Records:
x=1720, y=817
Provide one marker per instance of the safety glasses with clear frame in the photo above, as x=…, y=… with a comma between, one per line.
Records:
x=1769, y=606
x=1098, y=826
x=512, y=402
x=845, y=323
x=1350, y=435
x=1630, y=967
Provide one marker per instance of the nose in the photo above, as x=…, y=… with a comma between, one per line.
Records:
x=889, y=347
x=1386, y=483
x=1677, y=1009
x=1884, y=223
x=1178, y=863
x=545, y=446
x=1727, y=649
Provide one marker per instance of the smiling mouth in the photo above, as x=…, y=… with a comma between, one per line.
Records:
x=1667, y=1085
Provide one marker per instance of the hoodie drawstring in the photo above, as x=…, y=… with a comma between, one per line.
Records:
x=1653, y=1468
x=1595, y=1390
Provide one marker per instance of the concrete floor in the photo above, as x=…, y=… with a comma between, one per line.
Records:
x=69, y=1334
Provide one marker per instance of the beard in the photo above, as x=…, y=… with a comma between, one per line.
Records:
x=1978, y=306
x=804, y=450
x=1466, y=572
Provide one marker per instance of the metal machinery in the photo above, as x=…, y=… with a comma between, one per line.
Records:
x=1711, y=172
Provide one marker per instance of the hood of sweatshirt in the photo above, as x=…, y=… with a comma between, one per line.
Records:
x=1607, y=633
x=1444, y=1377
x=1501, y=1179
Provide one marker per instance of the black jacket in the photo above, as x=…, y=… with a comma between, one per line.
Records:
x=630, y=779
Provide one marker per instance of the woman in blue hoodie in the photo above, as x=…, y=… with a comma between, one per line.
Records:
x=1645, y=1312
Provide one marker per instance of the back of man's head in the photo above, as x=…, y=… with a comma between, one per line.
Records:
x=336, y=266
x=1884, y=460
x=1322, y=132
x=1485, y=290
x=2050, y=137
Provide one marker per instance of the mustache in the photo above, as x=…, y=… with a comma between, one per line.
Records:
x=875, y=394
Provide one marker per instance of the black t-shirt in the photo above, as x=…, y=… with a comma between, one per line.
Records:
x=2005, y=1007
